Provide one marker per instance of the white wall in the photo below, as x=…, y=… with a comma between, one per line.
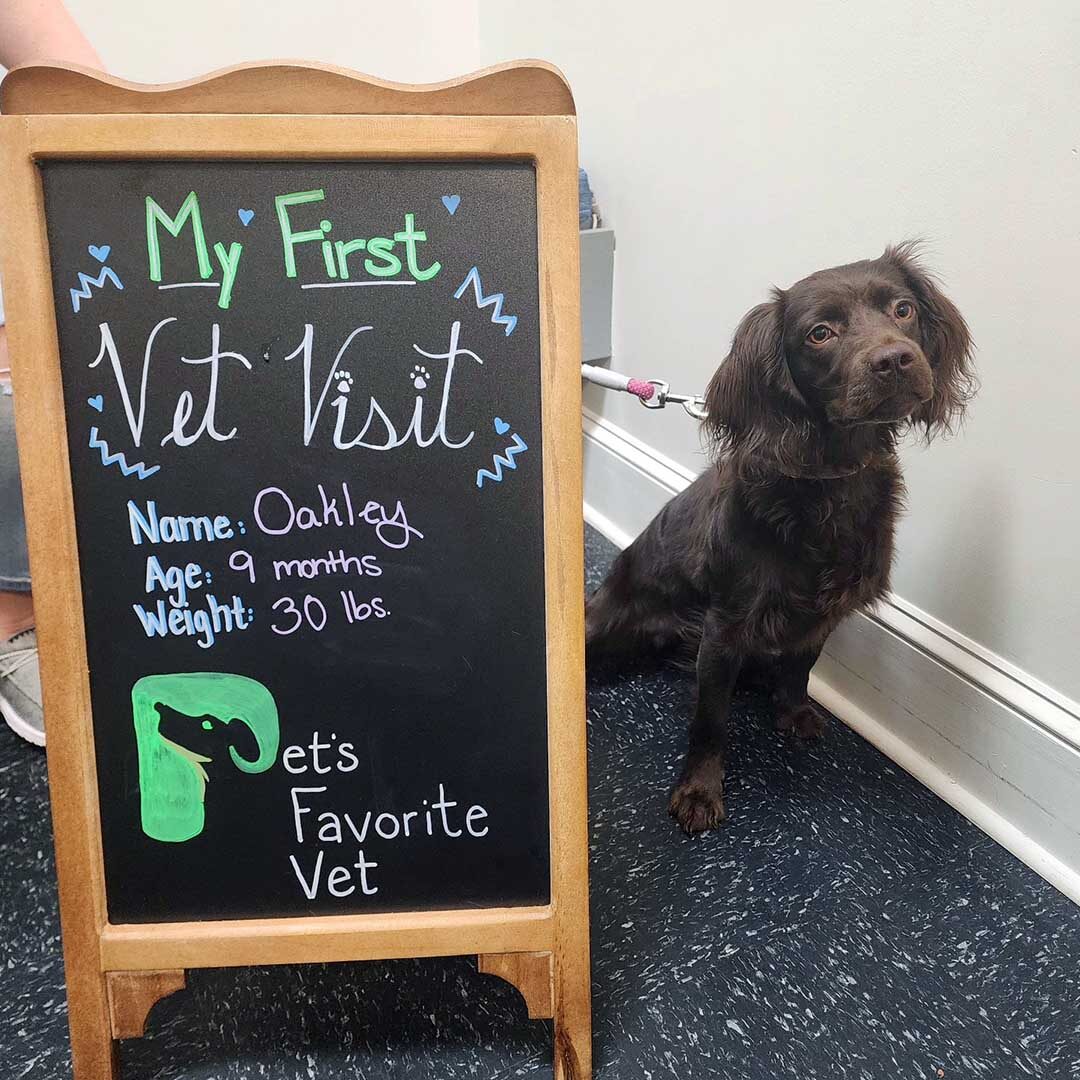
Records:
x=735, y=145
x=405, y=40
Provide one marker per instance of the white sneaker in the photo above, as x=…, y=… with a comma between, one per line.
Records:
x=20, y=687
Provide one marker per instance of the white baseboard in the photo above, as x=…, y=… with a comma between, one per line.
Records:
x=997, y=744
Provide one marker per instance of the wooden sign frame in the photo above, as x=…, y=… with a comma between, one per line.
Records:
x=521, y=111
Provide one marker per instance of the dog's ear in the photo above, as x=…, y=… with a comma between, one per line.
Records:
x=752, y=394
x=946, y=341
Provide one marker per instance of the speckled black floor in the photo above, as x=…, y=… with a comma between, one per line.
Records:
x=846, y=923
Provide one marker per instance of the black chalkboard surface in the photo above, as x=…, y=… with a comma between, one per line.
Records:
x=303, y=412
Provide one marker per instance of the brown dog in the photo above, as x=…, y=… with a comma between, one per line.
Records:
x=792, y=528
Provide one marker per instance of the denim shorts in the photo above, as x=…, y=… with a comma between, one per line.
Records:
x=14, y=562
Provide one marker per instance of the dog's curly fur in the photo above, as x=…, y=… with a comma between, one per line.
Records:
x=792, y=528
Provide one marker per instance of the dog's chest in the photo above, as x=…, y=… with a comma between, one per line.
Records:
x=831, y=556
x=849, y=554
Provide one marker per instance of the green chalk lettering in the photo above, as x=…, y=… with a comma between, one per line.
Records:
x=411, y=237
x=344, y=249
x=328, y=259
x=155, y=216
x=380, y=246
x=290, y=239
x=229, y=260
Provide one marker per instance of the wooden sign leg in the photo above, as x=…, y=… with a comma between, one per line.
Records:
x=93, y=1051
x=573, y=1016
x=550, y=990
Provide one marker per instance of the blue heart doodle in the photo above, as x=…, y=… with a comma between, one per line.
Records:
x=245, y=216
x=451, y=202
x=96, y=403
x=501, y=426
x=99, y=253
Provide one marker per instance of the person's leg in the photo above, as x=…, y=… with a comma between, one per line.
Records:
x=30, y=30
x=16, y=610
x=20, y=684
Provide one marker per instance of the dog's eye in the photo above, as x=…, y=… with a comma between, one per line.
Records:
x=820, y=334
x=904, y=310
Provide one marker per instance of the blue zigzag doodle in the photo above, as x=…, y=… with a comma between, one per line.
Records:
x=85, y=281
x=482, y=301
x=499, y=460
x=140, y=468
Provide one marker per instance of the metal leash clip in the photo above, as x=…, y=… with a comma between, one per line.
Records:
x=693, y=405
x=652, y=393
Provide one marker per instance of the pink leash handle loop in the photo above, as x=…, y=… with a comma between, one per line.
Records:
x=642, y=389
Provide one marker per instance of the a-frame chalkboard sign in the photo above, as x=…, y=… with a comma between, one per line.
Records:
x=296, y=366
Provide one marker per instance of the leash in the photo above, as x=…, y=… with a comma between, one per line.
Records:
x=652, y=393
x=656, y=393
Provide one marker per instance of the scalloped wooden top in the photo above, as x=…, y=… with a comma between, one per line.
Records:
x=519, y=88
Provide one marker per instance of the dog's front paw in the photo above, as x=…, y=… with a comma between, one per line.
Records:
x=697, y=803
x=804, y=722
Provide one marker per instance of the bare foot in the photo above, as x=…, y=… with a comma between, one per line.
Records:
x=804, y=722
x=697, y=803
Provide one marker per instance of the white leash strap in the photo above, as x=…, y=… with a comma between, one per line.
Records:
x=652, y=393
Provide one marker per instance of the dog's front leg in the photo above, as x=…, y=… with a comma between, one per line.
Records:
x=697, y=802
x=795, y=713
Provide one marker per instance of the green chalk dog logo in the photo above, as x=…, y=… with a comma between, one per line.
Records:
x=172, y=780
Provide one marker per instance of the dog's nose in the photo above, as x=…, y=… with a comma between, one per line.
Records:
x=891, y=359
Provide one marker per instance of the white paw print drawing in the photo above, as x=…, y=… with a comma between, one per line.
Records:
x=345, y=382
x=420, y=376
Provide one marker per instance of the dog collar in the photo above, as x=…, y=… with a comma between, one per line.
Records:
x=806, y=471
x=821, y=472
